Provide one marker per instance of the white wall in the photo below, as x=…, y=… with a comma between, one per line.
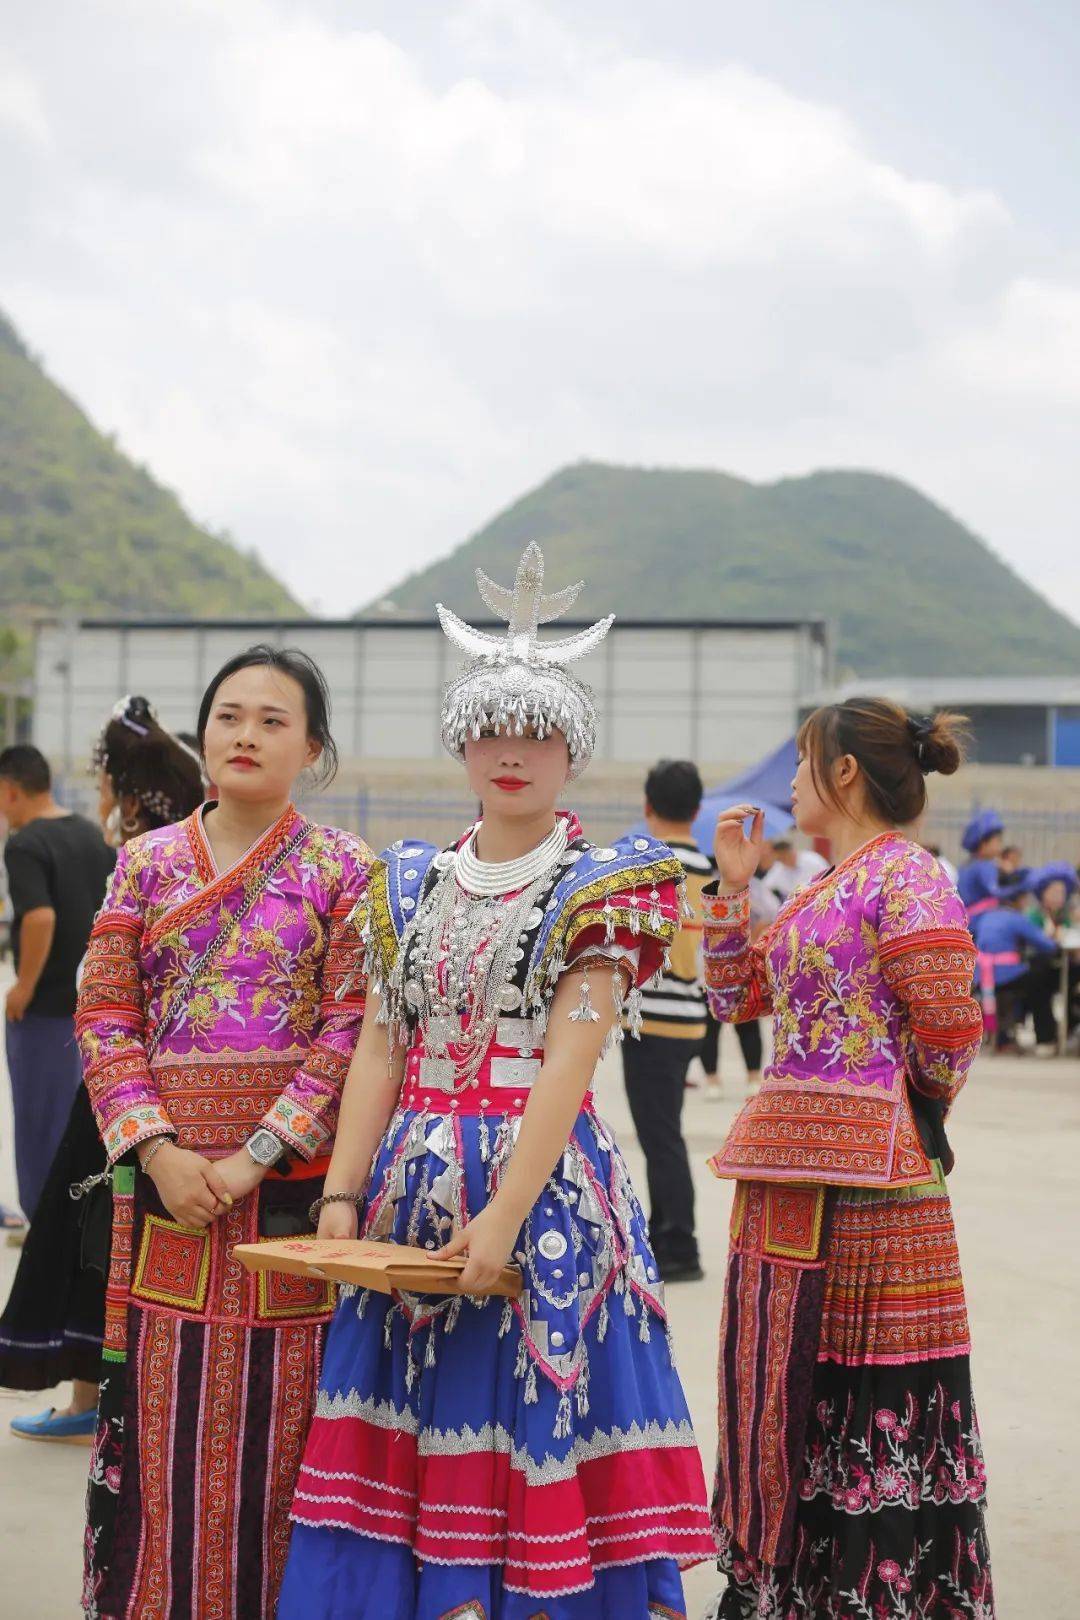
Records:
x=716, y=693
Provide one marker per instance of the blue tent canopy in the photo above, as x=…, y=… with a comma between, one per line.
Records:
x=768, y=783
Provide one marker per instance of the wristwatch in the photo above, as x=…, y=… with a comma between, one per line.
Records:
x=269, y=1151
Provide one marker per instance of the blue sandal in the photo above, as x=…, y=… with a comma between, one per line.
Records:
x=67, y=1428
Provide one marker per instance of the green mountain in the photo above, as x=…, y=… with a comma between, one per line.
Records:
x=83, y=530
x=908, y=588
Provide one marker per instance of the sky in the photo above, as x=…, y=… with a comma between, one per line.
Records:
x=352, y=277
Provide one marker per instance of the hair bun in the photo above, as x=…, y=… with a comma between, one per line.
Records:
x=939, y=741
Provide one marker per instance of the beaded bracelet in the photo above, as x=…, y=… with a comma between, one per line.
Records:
x=155, y=1147
x=333, y=1198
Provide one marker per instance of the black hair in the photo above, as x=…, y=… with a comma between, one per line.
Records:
x=308, y=676
x=144, y=762
x=673, y=789
x=27, y=767
x=895, y=751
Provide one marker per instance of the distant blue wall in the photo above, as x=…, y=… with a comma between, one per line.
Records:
x=1066, y=736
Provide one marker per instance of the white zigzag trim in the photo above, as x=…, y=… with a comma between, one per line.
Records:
x=348, y=1501
x=345, y=1524
x=360, y=1479
x=681, y=1561
x=638, y=1513
x=448, y=1507
x=648, y=1530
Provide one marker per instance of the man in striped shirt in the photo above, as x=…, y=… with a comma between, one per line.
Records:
x=672, y=1030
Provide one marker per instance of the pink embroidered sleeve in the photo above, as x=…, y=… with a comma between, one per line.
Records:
x=928, y=961
x=632, y=926
x=110, y=1020
x=305, y=1113
x=736, y=971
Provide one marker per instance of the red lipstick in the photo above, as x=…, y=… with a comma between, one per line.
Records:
x=509, y=784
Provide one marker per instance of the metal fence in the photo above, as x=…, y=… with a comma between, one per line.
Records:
x=379, y=818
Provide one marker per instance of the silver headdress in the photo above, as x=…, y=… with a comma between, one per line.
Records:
x=515, y=680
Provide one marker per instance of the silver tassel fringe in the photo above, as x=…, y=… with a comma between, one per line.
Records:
x=585, y=1012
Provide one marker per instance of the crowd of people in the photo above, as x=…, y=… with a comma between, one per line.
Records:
x=1024, y=921
x=278, y=1031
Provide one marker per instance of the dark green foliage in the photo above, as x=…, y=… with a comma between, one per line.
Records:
x=85, y=531
x=908, y=588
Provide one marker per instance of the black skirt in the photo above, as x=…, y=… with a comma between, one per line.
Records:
x=51, y=1329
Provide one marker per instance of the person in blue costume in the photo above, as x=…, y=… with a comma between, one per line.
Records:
x=1016, y=975
x=980, y=884
x=1054, y=887
x=472, y=1456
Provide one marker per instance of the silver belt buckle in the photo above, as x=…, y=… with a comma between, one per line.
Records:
x=437, y=1072
x=507, y=1071
x=516, y=1032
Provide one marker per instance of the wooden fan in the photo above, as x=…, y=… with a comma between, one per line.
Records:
x=385, y=1267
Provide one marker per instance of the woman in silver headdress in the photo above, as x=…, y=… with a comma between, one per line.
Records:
x=476, y=1456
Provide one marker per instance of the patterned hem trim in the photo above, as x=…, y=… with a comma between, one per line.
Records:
x=868, y=1509
x=906, y=1360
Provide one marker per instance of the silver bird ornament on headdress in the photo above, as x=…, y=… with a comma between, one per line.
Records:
x=515, y=680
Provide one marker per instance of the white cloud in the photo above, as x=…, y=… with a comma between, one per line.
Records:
x=21, y=109
x=348, y=304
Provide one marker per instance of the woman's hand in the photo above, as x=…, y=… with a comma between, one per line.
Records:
x=737, y=855
x=240, y=1173
x=338, y=1221
x=487, y=1241
x=191, y=1187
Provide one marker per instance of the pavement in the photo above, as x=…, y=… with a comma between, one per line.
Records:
x=1016, y=1132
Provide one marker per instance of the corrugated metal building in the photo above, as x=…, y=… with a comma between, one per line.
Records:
x=1015, y=719
x=722, y=692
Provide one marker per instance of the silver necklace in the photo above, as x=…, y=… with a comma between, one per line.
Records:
x=464, y=948
x=487, y=878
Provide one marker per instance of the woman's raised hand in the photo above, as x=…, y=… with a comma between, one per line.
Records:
x=738, y=856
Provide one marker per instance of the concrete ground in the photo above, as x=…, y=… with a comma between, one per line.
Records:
x=1016, y=1191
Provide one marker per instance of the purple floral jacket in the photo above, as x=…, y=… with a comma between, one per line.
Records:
x=867, y=973
x=266, y=1034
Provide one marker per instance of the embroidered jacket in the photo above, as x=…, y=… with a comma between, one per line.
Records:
x=867, y=973
x=266, y=1031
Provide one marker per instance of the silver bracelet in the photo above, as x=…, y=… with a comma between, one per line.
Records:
x=355, y=1199
x=155, y=1147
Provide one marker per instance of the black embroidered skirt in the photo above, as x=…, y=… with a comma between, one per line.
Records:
x=850, y=1483
x=52, y=1325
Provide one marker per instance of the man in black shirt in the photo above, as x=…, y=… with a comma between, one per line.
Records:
x=58, y=865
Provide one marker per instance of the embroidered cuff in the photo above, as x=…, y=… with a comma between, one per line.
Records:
x=296, y=1126
x=133, y=1126
x=726, y=919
